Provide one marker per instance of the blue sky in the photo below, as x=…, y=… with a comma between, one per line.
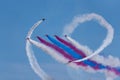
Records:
x=17, y=16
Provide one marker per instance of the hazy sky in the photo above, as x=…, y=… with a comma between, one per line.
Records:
x=17, y=17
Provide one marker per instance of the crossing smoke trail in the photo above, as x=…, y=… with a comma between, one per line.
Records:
x=68, y=30
x=33, y=62
x=87, y=65
x=72, y=53
x=32, y=59
x=88, y=17
x=97, y=58
x=109, y=61
x=85, y=49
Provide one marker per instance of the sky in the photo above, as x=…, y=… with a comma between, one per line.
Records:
x=17, y=17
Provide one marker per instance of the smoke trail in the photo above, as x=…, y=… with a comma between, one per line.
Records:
x=70, y=45
x=56, y=48
x=110, y=72
x=83, y=48
x=56, y=55
x=64, y=54
x=33, y=28
x=32, y=59
x=99, y=59
x=113, y=62
x=105, y=61
x=67, y=49
x=87, y=17
x=34, y=64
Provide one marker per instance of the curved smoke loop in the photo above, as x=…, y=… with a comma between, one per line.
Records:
x=67, y=31
x=31, y=57
x=88, y=17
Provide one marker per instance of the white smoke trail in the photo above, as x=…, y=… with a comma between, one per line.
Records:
x=87, y=17
x=83, y=48
x=99, y=59
x=110, y=75
x=109, y=61
x=33, y=28
x=34, y=64
x=32, y=59
x=56, y=55
x=108, y=78
x=53, y=53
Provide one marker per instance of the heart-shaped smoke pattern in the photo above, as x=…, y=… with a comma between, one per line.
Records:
x=62, y=54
